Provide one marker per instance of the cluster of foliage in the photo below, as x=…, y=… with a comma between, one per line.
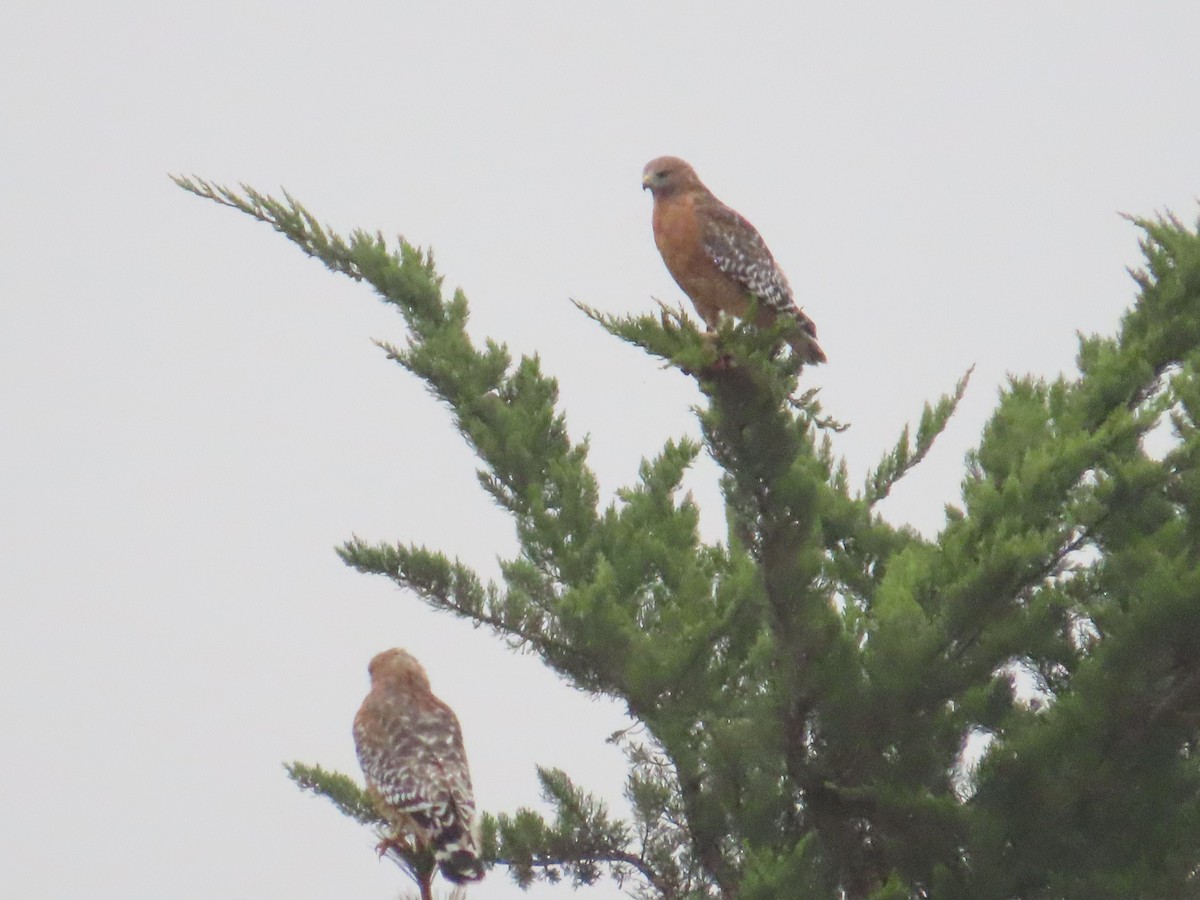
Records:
x=804, y=690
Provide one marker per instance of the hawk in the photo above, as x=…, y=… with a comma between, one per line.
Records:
x=717, y=257
x=411, y=752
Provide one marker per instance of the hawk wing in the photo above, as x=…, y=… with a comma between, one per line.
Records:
x=421, y=768
x=738, y=250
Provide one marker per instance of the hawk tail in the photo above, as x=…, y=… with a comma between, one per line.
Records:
x=454, y=850
x=803, y=339
x=806, y=348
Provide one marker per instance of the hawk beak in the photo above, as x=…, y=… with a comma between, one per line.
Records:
x=646, y=179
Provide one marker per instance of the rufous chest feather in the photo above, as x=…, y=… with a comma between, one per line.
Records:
x=679, y=235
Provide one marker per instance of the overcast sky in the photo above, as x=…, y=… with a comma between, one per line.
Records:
x=192, y=414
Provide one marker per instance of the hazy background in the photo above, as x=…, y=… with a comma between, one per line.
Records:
x=192, y=414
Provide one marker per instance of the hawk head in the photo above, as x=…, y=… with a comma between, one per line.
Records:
x=667, y=175
x=398, y=666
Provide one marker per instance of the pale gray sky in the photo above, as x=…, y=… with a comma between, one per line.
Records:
x=192, y=415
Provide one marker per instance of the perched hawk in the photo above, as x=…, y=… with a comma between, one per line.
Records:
x=718, y=258
x=411, y=751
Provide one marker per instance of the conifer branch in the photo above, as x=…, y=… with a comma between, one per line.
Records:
x=807, y=685
x=413, y=858
x=904, y=457
x=453, y=587
x=341, y=790
x=671, y=336
x=577, y=843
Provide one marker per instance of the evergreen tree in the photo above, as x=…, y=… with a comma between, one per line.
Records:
x=804, y=690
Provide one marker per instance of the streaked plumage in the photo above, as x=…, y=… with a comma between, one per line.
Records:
x=411, y=751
